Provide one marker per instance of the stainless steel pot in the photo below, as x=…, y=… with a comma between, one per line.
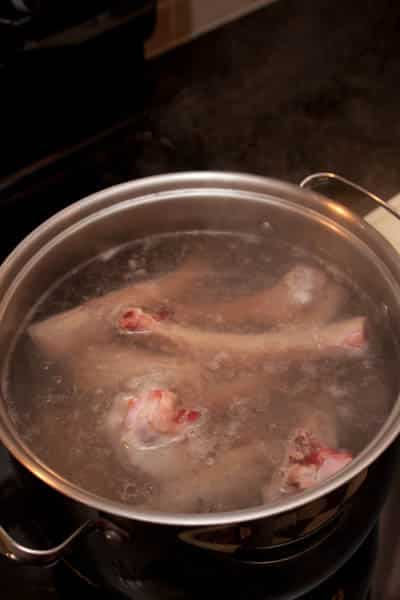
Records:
x=260, y=535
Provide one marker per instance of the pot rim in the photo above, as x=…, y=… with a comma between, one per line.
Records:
x=134, y=191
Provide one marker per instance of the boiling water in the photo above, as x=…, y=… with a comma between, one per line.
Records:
x=62, y=389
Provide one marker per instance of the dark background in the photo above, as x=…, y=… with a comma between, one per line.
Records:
x=296, y=87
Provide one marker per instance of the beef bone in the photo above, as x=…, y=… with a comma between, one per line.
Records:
x=222, y=485
x=310, y=458
x=150, y=428
x=114, y=366
x=303, y=295
x=346, y=338
x=66, y=333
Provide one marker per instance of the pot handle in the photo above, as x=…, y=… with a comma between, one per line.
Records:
x=30, y=556
x=326, y=176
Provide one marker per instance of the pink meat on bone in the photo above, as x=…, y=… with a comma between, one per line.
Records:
x=135, y=320
x=150, y=430
x=308, y=463
x=151, y=418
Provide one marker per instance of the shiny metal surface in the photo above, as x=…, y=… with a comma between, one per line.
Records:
x=198, y=201
x=324, y=176
x=41, y=558
x=22, y=554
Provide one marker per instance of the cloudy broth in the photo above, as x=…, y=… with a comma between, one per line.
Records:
x=199, y=372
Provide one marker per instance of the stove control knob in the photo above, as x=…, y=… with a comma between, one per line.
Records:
x=113, y=536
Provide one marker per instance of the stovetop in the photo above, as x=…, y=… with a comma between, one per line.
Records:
x=294, y=88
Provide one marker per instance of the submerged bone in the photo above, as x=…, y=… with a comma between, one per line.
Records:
x=150, y=428
x=68, y=332
x=311, y=456
x=217, y=484
x=114, y=366
x=341, y=339
x=303, y=294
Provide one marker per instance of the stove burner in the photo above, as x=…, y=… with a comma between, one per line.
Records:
x=352, y=582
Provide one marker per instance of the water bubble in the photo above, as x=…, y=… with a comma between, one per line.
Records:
x=108, y=254
x=132, y=264
x=266, y=227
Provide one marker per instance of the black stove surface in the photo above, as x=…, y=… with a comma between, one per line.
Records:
x=295, y=88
